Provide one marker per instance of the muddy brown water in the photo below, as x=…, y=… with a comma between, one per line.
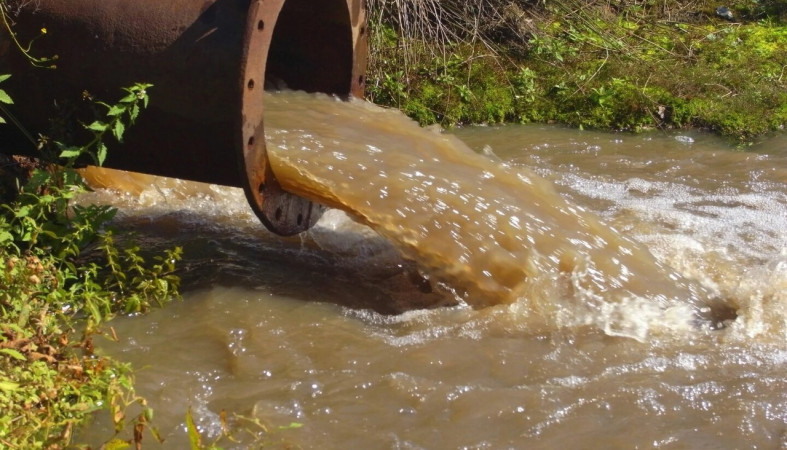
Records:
x=548, y=288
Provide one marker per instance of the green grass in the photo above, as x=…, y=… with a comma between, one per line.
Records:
x=643, y=66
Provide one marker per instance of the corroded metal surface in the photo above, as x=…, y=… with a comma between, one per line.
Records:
x=209, y=62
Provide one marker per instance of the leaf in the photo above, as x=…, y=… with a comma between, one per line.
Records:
x=163, y=286
x=16, y=354
x=116, y=110
x=70, y=152
x=5, y=98
x=97, y=126
x=130, y=98
x=101, y=153
x=133, y=113
x=194, y=438
x=4, y=77
x=93, y=311
x=72, y=178
x=8, y=386
x=118, y=130
x=2, y=120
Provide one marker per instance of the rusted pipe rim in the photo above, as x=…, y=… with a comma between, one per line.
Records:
x=274, y=207
x=317, y=50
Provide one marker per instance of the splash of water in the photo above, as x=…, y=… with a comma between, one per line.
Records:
x=494, y=233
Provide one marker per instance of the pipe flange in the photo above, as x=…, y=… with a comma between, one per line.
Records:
x=281, y=212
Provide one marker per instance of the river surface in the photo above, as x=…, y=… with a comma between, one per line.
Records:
x=500, y=287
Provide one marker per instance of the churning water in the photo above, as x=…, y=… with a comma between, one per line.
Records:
x=551, y=288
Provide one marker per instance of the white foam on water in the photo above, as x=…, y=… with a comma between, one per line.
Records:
x=731, y=237
x=755, y=224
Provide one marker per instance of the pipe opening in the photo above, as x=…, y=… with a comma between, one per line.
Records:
x=312, y=48
x=308, y=46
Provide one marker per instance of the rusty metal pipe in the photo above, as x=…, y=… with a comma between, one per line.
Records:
x=209, y=61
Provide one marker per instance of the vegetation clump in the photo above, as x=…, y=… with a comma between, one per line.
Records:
x=630, y=65
x=62, y=275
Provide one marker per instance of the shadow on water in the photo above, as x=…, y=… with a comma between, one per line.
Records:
x=297, y=268
x=219, y=255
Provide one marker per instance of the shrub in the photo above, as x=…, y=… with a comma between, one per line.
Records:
x=61, y=276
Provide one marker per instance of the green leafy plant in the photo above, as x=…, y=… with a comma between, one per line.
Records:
x=43, y=62
x=125, y=110
x=62, y=276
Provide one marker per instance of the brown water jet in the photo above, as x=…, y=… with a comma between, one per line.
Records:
x=494, y=233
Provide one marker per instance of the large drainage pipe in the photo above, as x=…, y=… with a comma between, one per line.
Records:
x=209, y=61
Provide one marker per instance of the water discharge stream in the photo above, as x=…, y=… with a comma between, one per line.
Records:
x=539, y=326
x=496, y=233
